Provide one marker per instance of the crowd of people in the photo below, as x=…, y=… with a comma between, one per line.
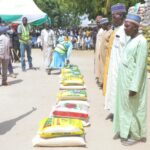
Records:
x=120, y=63
x=22, y=37
x=121, y=73
x=82, y=38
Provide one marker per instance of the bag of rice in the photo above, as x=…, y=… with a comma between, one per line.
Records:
x=72, y=87
x=56, y=127
x=72, y=72
x=69, y=75
x=71, y=110
x=72, y=141
x=73, y=81
x=72, y=94
x=68, y=70
x=77, y=102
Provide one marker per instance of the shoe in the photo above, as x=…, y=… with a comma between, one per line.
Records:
x=143, y=139
x=116, y=136
x=4, y=83
x=23, y=70
x=110, y=116
x=13, y=75
x=49, y=72
x=31, y=67
x=129, y=142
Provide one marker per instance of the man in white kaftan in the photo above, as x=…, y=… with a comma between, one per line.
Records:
x=116, y=53
x=48, y=44
x=118, y=14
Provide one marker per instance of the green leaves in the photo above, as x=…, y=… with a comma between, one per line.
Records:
x=66, y=13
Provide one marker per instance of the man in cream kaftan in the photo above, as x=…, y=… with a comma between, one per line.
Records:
x=97, y=52
x=130, y=111
x=104, y=22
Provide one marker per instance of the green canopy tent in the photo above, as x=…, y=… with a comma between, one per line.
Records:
x=14, y=10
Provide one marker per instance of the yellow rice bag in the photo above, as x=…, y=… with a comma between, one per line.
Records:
x=73, y=81
x=67, y=75
x=57, y=127
x=68, y=70
x=72, y=95
x=71, y=73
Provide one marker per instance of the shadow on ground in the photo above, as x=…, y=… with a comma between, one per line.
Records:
x=9, y=124
x=15, y=81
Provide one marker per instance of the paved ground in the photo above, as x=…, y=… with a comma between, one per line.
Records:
x=35, y=89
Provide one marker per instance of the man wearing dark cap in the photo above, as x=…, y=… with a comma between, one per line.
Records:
x=119, y=42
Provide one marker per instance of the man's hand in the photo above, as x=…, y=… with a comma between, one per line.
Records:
x=132, y=93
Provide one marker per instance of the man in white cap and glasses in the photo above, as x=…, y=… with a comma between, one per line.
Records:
x=131, y=94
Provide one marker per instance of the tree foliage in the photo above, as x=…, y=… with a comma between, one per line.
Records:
x=66, y=13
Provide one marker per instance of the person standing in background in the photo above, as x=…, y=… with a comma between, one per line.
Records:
x=24, y=32
x=4, y=53
x=48, y=43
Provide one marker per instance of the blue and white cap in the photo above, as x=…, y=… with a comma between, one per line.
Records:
x=118, y=8
x=104, y=21
x=132, y=17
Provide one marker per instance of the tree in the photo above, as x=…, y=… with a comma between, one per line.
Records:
x=66, y=13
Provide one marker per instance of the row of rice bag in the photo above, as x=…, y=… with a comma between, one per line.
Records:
x=72, y=101
x=64, y=126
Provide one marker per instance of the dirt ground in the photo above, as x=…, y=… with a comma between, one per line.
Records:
x=31, y=96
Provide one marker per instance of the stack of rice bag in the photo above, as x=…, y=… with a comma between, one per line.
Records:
x=144, y=11
x=72, y=97
x=71, y=78
x=66, y=122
